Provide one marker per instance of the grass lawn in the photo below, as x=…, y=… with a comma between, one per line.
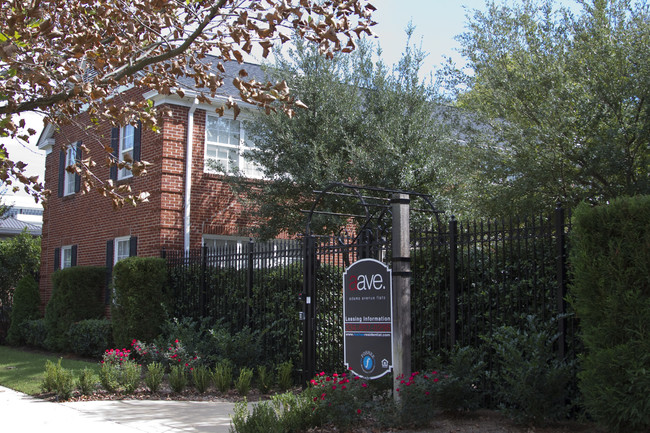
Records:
x=24, y=370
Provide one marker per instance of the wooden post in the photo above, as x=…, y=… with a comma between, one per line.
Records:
x=401, y=260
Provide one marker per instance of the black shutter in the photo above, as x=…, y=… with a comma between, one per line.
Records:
x=133, y=246
x=73, y=254
x=137, y=140
x=61, y=173
x=77, y=178
x=109, y=269
x=115, y=145
x=57, y=259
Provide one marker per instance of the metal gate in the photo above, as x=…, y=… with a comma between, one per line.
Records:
x=365, y=215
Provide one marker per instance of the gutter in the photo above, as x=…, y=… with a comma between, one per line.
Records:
x=188, y=175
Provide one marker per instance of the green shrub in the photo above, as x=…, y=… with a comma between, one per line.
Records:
x=262, y=419
x=26, y=304
x=243, y=382
x=338, y=400
x=58, y=379
x=87, y=381
x=460, y=389
x=109, y=377
x=531, y=383
x=154, y=376
x=49, y=381
x=610, y=292
x=177, y=378
x=137, y=310
x=222, y=376
x=64, y=384
x=264, y=379
x=91, y=337
x=77, y=295
x=201, y=378
x=285, y=375
x=34, y=332
x=284, y=413
x=130, y=374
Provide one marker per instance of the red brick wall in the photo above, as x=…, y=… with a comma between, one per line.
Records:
x=89, y=221
x=215, y=209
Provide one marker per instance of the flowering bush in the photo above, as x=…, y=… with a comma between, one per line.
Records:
x=340, y=399
x=175, y=354
x=417, y=397
x=115, y=356
x=118, y=372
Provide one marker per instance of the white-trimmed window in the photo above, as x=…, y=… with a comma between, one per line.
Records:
x=226, y=144
x=122, y=248
x=229, y=243
x=127, y=139
x=66, y=256
x=69, y=178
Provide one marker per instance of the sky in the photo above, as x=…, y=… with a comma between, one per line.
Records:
x=436, y=23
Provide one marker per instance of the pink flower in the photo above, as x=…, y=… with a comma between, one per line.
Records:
x=358, y=411
x=365, y=385
x=436, y=379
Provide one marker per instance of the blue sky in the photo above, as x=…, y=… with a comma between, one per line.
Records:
x=436, y=23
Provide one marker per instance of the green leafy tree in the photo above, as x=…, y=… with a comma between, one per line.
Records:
x=19, y=256
x=365, y=124
x=558, y=103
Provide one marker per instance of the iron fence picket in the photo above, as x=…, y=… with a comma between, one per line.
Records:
x=485, y=274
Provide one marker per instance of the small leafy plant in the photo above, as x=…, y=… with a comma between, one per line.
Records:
x=87, y=381
x=222, y=376
x=154, y=376
x=201, y=378
x=263, y=379
x=285, y=375
x=177, y=378
x=243, y=382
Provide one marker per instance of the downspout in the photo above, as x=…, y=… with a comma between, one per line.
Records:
x=188, y=176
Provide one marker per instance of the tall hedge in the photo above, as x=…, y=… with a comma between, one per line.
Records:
x=137, y=310
x=26, y=307
x=77, y=295
x=610, y=260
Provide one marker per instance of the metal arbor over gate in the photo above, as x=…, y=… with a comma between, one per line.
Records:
x=377, y=215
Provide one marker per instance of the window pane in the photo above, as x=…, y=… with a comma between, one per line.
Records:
x=69, y=177
x=66, y=259
x=127, y=138
x=121, y=249
x=222, y=131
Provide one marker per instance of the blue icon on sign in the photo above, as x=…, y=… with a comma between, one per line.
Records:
x=368, y=362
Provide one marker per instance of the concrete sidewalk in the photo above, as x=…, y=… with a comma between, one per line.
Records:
x=20, y=412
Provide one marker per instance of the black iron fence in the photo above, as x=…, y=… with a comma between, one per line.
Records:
x=467, y=280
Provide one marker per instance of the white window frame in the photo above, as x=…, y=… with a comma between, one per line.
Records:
x=69, y=178
x=127, y=138
x=237, y=146
x=66, y=256
x=121, y=241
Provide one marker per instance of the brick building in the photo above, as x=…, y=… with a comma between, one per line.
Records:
x=189, y=204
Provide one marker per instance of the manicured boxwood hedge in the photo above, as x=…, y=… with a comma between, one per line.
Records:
x=77, y=295
x=610, y=291
x=137, y=309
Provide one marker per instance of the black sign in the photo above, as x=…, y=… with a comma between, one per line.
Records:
x=368, y=318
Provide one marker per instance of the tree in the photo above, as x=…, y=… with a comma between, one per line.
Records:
x=64, y=57
x=559, y=102
x=19, y=256
x=365, y=125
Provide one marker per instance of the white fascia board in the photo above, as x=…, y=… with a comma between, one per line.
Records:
x=46, y=139
x=188, y=100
